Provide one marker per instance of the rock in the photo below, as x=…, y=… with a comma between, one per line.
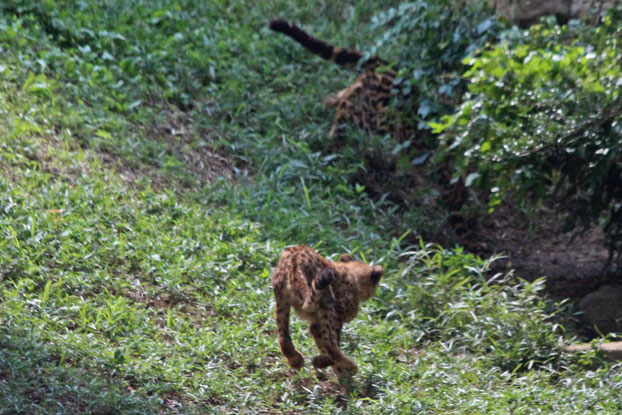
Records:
x=603, y=309
x=612, y=351
x=527, y=12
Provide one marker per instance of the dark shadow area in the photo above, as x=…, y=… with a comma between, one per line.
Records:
x=35, y=380
x=535, y=245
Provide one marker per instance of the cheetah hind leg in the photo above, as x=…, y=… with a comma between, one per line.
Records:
x=326, y=337
x=322, y=361
x=294, y=358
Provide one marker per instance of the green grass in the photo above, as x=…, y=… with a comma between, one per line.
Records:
x=130, y=285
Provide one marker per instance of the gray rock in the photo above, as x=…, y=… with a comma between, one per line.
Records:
x=603, y=309
x=526, y=12
x=612, y=351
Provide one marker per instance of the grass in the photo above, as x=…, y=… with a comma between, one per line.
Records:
x=129, y=284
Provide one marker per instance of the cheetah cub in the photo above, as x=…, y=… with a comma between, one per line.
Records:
x=327, y=294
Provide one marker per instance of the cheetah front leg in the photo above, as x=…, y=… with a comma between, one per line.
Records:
x=294, y=358
x=343, y=115
x=326, y=332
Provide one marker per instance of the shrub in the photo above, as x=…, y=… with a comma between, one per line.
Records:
x=542, y=119
x=429, y=41
x=449, y=297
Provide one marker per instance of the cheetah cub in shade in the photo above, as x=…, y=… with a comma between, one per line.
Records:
x=327, y=294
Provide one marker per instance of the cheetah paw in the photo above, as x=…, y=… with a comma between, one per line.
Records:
x=297, y=361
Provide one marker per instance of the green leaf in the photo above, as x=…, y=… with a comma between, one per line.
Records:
x=103, y=134
x=471, y=178
x=437, y=127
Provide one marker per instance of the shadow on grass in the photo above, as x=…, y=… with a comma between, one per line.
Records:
x=32, y=381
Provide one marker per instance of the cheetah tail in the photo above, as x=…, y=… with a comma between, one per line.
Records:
x=324, y=279
x=319, y=284
x=327, y=51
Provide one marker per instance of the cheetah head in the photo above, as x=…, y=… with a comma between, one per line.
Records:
x=367, y=277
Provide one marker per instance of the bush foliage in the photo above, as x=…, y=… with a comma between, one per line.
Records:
x=459, y=303
x=429, y=41
x=542, y=120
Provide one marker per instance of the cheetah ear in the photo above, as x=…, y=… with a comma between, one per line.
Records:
x=346, y=258
x=376, y=274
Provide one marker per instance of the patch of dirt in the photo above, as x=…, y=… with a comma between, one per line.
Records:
x=129, y=173
x=183, y=139
x=381, y=179
x=49, y=155
x=573, y=264
x=171, y=126
x=611, y=351
x=180, y=301
x=534, y=246
x=178, y=130
x=163, y=301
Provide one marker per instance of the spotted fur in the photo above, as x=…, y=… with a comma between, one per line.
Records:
x=365, y=101
x=325, y=293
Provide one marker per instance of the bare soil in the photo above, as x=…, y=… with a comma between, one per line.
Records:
x=573, y=264
x=176, y=129
x=533, y=246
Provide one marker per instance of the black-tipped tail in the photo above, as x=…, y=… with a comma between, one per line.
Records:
x=316, y=46
x=279, y=25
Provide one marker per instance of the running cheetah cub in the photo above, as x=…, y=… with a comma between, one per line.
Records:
x=327, y=294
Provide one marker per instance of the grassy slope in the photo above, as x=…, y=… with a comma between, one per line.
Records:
x=129, y=285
